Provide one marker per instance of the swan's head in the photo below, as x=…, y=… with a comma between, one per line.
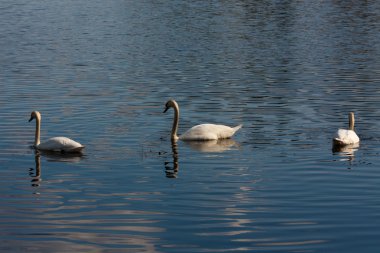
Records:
x=170, y=103
x=34, y=115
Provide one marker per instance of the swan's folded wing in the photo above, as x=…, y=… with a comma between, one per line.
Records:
x=344, y=137
x=209, y=132
x=61, y=144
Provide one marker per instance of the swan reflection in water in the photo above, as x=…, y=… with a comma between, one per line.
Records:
x=212, y=146
x=60, y=157
x=346, y=152
x=51, y=156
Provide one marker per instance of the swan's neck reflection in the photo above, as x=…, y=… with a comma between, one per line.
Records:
x=36, y=177
x=172, y=171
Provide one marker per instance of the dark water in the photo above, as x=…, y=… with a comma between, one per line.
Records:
x=100, y=72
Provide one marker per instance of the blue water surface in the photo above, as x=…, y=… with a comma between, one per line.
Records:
x=100, y=72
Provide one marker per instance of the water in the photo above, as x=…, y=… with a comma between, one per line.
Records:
x=100, y=72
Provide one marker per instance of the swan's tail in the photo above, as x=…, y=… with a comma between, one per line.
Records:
x=76, y=150
x=338, y=142
x=237, y=128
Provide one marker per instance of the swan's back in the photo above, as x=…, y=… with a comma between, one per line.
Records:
x=61, y=144
x=345, y=137
x=209, y=132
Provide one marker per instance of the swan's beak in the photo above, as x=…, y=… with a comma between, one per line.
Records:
x=31, y=118
x=166, y=108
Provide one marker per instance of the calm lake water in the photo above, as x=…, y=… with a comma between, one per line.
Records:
x=100, y=72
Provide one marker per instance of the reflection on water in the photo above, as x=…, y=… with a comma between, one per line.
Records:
x=346, y=152
x=36, y=177
x=171, y=171
x=212, y=146
x=51, y=157
x=60, y=157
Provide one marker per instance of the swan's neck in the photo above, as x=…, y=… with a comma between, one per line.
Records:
x=37, y=134
x=174, y=135
x=351, y=121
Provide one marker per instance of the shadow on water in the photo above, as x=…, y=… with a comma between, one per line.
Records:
x=212, y=146
x=346, y=152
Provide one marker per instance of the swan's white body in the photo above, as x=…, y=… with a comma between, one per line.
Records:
x=57, y=144
x=209, y=132
x=60, y=144
x=347, y=136
x=203, y=132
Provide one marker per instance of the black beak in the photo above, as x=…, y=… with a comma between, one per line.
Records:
x=166, y=108
x=31, y=118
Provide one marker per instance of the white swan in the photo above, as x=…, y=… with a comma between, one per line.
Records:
x=346, y=137
x=61, y=144
x=203, y=132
